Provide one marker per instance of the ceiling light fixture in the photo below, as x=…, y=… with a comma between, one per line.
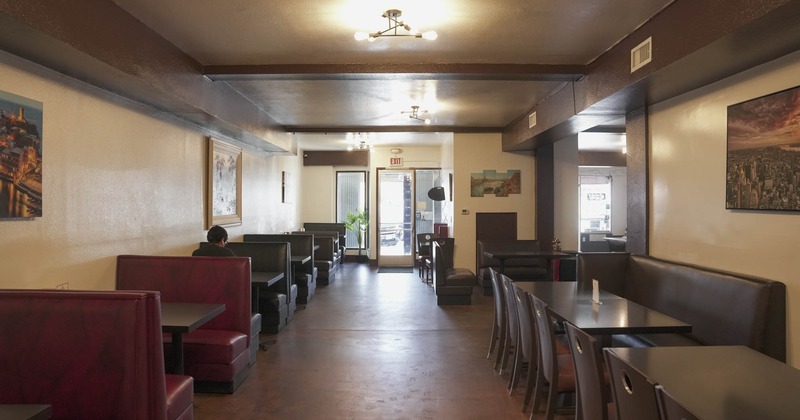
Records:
x=360, y=144
x=415, y=114
x=393, y=15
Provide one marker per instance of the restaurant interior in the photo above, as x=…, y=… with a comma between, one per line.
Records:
x=574, y=210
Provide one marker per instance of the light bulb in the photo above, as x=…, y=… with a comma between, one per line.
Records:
x=430, y=35
x=350, y=148
x=427, y=120
x=360, y=36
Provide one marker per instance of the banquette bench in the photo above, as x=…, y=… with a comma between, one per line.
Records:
x=339, y=228
x=217, y=354
x=519, y=269
x=723, y=308
x=89, y=354
x=278, y=302
x=301, y=244
x=453, y=286
x=326, y=257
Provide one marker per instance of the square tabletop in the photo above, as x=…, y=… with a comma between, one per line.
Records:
x=265, y=278
x=186, y=317
x=721, y=382
x=25, y=411
x=614, y=315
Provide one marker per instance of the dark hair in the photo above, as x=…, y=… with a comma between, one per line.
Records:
x=216, y=234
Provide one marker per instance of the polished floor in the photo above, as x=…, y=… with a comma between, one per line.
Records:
x=374, y=346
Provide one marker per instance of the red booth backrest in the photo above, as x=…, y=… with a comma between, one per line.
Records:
x=89, y=354
x=223, y=280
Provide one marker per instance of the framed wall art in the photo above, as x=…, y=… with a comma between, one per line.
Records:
x=763, y=155
x=21, y=159
x=224, y=184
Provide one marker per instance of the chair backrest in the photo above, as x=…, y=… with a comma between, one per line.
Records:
x=527, y=328
x=424, y=243
x=447, y=245
x=634, y=393
x=512, y=316
x=593, y=392
x=301, y=244
x=499, y=300
x=546, y=334
x=669, y=409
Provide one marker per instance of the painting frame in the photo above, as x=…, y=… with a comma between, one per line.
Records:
x=762, y=150
x=224, y=206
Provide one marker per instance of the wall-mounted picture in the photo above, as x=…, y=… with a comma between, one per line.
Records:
x=224, y=183
x=763, y=161
x=501, y=184
x=20, y=157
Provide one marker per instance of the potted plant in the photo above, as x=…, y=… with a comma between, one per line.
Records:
x=357, y=223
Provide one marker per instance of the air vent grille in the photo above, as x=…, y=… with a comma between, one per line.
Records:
x=532, y=120
x=642, y=54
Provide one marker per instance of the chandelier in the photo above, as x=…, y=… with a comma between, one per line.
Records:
x=360, y=143
x=414, y=114
x=393, y=15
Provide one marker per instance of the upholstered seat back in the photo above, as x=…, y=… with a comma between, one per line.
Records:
x=224, y=280
x=89, y=354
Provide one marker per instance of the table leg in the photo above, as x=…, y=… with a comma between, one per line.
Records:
x=177, y=353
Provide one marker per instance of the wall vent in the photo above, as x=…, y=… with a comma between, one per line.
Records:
x=642, y=54
x=531, y=120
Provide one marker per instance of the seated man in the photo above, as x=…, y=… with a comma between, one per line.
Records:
x=217, y=238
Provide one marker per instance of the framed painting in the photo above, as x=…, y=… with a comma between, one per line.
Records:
x=763, y=156
x=21, y=161
x=224, y=184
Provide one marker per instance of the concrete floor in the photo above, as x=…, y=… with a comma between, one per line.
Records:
x=374, y=346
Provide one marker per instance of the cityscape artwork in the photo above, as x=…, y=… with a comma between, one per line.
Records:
x=763, y=167
x=20, y=157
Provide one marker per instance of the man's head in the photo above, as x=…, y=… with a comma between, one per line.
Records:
x=217, y=235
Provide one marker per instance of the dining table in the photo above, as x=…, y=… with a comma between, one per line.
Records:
x=548, y=256
x=721, y=382
x=25, y=411
x=573, y=302
x=259, y=279
x=182, y=318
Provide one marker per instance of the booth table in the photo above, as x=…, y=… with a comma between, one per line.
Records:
x=721, y=382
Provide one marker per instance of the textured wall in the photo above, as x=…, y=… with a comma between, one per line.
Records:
x=687, y=214
x=119, y=178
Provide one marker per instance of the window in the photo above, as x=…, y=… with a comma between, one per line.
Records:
x=351, y=195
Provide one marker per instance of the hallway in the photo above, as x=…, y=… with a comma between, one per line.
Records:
x=374, y=346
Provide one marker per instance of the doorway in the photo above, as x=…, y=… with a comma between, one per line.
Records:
x=404, y=209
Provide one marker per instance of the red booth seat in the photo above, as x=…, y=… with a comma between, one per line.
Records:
x=218, y=353
x=89, y=354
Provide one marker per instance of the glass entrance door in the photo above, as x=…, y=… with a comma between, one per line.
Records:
x=403, y=209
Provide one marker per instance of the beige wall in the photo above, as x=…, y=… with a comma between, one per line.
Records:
x=688, y=219
x=119, y=178
x=473, y=153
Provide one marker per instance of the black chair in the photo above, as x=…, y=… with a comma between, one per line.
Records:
x=669, y=409
x=423, y=254
x=499, y=327
x=527, y=356
x=634, y=393
x=511, y=341
x=594, y=395
x=555, y=370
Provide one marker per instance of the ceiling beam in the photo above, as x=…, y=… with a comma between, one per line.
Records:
x=374, y=71
x=688, y=53
x=391, y=129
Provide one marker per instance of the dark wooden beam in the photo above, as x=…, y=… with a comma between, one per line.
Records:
x=694, y=44
x=335, y=158
x=376, y=71
x=391, y=129
x=545, y=196
x=592, y=158
x=99, y=43
x=638, y=181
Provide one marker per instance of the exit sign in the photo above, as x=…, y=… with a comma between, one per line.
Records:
x=396, y=161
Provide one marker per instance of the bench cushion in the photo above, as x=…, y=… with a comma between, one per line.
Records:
x=210, y=346
x=180, y=396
